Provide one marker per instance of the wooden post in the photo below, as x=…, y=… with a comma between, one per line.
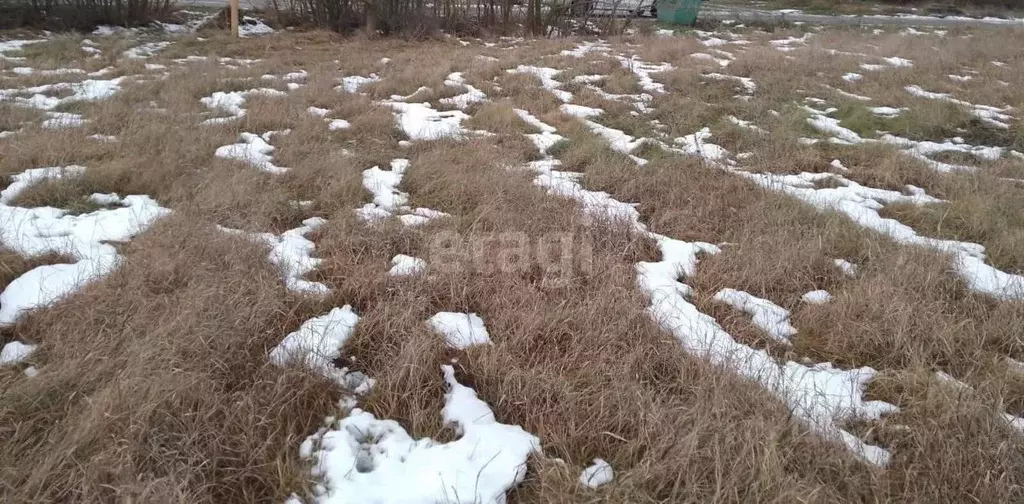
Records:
x=234, y=17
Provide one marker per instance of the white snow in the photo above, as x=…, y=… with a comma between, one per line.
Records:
x=887, y=112
x=821, y=396
x=87, y=90
x=786, y=44
x=746, y=124
x=7, y=46
x=388, y=200
x=352, y=83
x=848, y=268
x=292, y=253
x=547, y=136
x=146, y=50
x=404, y=265
x=85, y=238
x=62, y=120
x=460, y=330
x=960, y=78
x=872, y=67
x=249, y=26
x=816, y=297
x=643, y=71
x=852, y=77
x=768, y=316
x=861, y=204
x=368, y=460
x=232, y=102
x=337, y=124
x=896, y=61
x=46, y=73
x=992, y=116
x=547, y=80
x=253, y=150
x=746, y=83
x=15, y=352
x=918, y=150
x=317, y=344
x=421, y=122
x=464, y=100
x=847, y=94
x=319, y=112
x=597, y=474
x=707, y=57
x=580, y=111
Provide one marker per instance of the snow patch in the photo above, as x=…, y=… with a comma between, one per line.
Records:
x=597, y=474
x=768, y=316
x=32, y=232
x=317, y=344
x=460, y=330
x=292, y=253
x=368, y=460
x=253, y=150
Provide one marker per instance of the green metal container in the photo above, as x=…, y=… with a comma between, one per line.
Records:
x=679, y=12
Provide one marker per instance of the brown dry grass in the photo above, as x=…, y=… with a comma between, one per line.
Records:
x=154, y=383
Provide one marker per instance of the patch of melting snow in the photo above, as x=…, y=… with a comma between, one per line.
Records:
x=15, y=352
x=585, y=48
x=820, y=395
x=852, y=77
x=388, y=200
x=547, y=136
x=405, y=265
x=7, y=46
x=464, y=100
x=233, y=102
x=597, y=474
x=887, y=112
x=747, y=84
x=861, y=204
x=960, y=78
x=547, y=80
x=62, y=120
x=898, y=62
x=460, y=330
x=421, y=122
x=332, y=124
x=47, y=73
x=317, y=344
x=352, y=83
x=992, y=116
x=768, y=316
x=249, y=26
x=292, y=253
x=643, y=71
x=707, y=57
x=87, y=90
x=253, y=150
x=746, y=124
x=363, y=459
x=146, y=50
x=816, y=297
x=872, y=67
x=33, y=232
x=786, y=44
x=848, y=268
x=847, y=94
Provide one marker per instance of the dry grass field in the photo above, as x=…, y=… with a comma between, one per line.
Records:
x=736, y=265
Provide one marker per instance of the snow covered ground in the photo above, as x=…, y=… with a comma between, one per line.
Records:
x=802, y=251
